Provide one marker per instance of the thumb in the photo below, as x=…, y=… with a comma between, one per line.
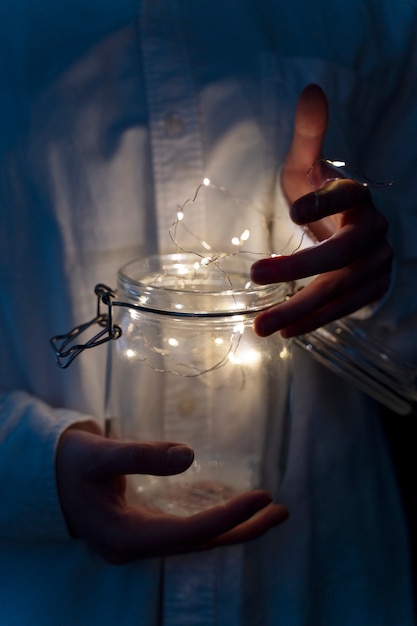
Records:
x=156, y=457
x=310, y=123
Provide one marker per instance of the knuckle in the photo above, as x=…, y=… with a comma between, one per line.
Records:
x=357, y=193
x=329, y=285
x=341, y=195
x=348, y=252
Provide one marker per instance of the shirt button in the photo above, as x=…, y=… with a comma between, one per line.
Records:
x=186, y=407
x=174, y=125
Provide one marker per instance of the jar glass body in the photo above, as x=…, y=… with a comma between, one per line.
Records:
x=348, y=348
x=189, y=368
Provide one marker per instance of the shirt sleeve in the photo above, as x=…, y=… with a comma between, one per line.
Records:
x=29, y=433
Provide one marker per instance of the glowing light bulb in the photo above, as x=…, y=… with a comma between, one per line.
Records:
x=245, y=357
x=173, y=342
x=245, y=235
x=236, y=241
x=250, y=357
x=180, y=216
x=206, y=182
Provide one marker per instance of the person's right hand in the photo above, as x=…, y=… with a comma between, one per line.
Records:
x=352, y=264
x=91, y=483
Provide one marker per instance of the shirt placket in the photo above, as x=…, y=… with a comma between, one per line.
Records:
x=173, y=115
x=188, y=588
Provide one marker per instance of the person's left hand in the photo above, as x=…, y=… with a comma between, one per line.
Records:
x=353, y=259
x=91, y=479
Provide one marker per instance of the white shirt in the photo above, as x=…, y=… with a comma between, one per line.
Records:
x=112, y=113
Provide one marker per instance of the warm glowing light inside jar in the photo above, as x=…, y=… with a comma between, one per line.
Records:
x=248, y=357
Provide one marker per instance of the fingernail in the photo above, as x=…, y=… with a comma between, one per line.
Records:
x=179, y=457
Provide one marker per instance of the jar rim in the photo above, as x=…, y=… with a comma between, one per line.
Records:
x=180, y=283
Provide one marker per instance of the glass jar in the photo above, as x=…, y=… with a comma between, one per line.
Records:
x=189, y=368
x=349, y=349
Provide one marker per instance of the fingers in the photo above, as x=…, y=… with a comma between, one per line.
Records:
x=353, y=264
x=270, y=516
x=336, y=197
x=359, y=229
x=339, y=251
x=330, y=296
x=199, y=529
x=140, y=533
x=221, y=519
x=337, y=309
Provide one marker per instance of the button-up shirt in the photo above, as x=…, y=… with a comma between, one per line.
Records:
x=112, y=114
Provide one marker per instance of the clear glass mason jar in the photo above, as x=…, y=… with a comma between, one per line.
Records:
x=188, y=367
x=348, y=348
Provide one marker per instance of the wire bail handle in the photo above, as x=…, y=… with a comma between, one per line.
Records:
x=64, y=354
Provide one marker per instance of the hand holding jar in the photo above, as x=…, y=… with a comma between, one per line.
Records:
x=353, y=258
x=91, y=481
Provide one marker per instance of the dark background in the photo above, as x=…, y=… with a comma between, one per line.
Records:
x=400, y=431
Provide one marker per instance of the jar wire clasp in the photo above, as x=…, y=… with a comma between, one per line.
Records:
x=66, y=351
